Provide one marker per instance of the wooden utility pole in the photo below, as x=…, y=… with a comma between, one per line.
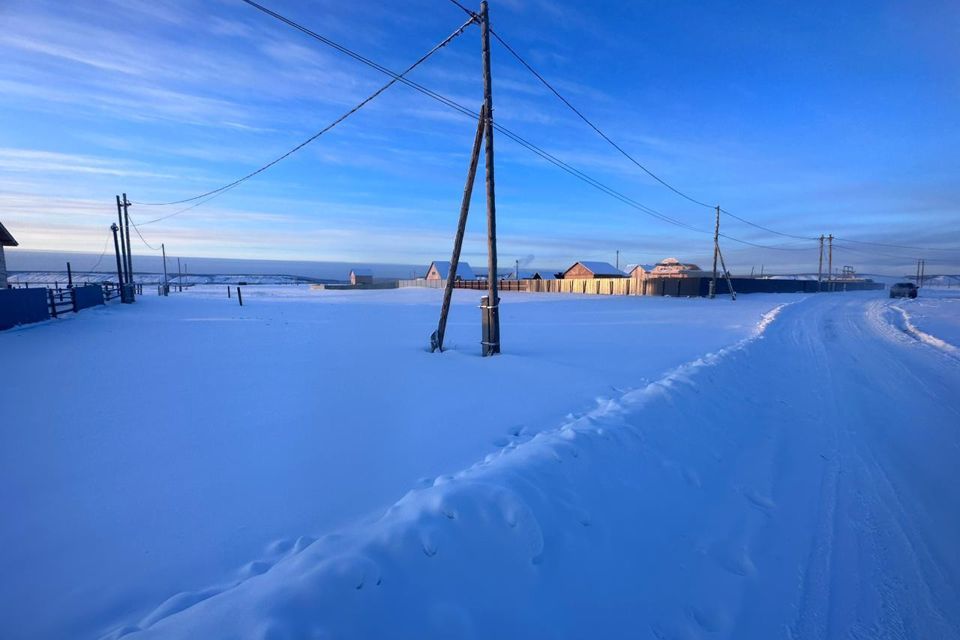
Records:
x=830, y=264
x=123, y=246
x=69, y=276
x=618, y=259
x=491, y=336
x=436, y=340
x=165, y=285
x=820, y=266
x=716, y=251
x=726, y=274
x=923, y=270
x=126, y=224
x=116, y=248
x=179, y=277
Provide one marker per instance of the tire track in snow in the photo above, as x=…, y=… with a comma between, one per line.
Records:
x=913, y=330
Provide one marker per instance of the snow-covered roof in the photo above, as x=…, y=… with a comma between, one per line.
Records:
x=463, y=269
x=6, y=239
x=599, y=268
x=526, y=274
x=362, y=271
x=633, y=267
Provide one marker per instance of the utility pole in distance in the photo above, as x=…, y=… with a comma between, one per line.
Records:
x=820, y=266
x=618, y=259
x=830, y=264
x=716, y=249
x=491, y=334
x=165, y=285
x=923, y=270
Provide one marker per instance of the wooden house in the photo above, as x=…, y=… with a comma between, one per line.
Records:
x=6, y=240
x=361, y=276
x=587, y=270
x=639, y=272
x=439, y=270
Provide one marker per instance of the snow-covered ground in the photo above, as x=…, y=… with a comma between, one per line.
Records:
x=933, y=317
x=799, y=485
x=163, y=451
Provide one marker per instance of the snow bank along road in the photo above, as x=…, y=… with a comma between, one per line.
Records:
x=149, y=450
x=799, y=485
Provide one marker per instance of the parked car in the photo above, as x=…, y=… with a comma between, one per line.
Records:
x=903, y=290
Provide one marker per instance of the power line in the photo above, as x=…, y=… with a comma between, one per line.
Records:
x=663, y=182
x=510, y=134
x=102, y=253
x=894, y=246
x=343, y=117
x=142, y=239
x=399, y=77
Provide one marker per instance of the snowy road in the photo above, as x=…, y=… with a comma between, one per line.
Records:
x=802, y=485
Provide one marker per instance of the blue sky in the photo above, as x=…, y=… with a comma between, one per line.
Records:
x=813, y=117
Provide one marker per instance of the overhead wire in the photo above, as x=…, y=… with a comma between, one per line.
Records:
x=505, y=131
x=330, y=126
x=653, y=175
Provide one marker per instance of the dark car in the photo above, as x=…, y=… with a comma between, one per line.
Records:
x=903, y=290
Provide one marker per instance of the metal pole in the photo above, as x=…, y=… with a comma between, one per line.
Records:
x=123, y=247
x=436, y=340
x=716, y=250
x=820, y=266
x=491, y=339
x=126, y=223
x=116, y=248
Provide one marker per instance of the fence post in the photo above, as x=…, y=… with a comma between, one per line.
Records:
x=228, y=291
x=73, y=299
x=53, y=303
x=239, y=297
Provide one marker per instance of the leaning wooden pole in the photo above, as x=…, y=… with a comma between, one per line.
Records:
x=491, y=338
x=436, y=340
x=726, y=274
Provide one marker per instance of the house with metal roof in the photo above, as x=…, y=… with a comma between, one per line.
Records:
x=588, y=269
x=6, y=240
x=440, y=270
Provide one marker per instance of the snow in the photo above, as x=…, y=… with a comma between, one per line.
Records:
x=800, y=482
x=163, y=451
x=933, y=317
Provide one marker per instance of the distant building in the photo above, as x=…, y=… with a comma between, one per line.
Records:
x=531, y=274
x=586, y=270
x=673, y=268
x=639, y=271
x=361, y=276
x=439, y=270
x=6, y=240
